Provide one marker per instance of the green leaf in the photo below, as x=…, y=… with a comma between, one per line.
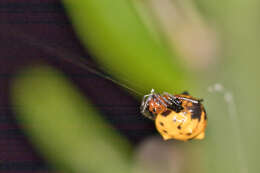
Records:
x=121, y=43
x=66, y=128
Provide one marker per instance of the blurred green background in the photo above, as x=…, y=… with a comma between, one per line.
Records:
x=169, y=46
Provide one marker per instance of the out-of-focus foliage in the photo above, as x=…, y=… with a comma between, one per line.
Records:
x=64, y=126
x=238, y=27
x=114, y=33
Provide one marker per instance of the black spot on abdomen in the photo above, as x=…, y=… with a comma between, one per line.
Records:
x=196, y=111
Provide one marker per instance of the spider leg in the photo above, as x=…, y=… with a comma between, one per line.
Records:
x=145, y=100
x=149, y=115
x=191, y=100
x=144, y=107
x=172, y=98
x=160, y=100
x=175, y=102
x=182, y=98
x=144, y=104
x=166, y=100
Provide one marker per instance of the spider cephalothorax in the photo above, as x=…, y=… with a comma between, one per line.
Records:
x=154, y=104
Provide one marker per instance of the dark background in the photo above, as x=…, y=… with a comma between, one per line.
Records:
x=38, y=32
